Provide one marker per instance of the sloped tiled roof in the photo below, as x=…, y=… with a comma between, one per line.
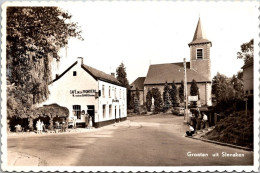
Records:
x=199, y=35
x=138, y=83
x=160, y=73
x=97, y=74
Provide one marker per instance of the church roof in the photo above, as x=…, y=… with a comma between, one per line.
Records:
x=160, y=73
x=138, y=83
x=199, y=35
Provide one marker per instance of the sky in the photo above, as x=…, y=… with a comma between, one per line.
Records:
x=140, y=33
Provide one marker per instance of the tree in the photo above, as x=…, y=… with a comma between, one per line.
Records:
x=34, y=37
x=173, y=94
x=149, y=97
x=247, y=51
x=238, y=86
x=181, y=92
x=221, y=88
x=122, y=78
x=137, y=101
x=166, y=96
x=194, y=90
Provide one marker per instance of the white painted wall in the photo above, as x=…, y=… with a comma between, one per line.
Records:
x=116, y=93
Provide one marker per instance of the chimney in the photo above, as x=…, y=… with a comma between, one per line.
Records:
x=57, y=75
x=80, y=60
x=113, y=74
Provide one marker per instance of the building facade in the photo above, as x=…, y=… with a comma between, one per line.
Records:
x=248, y=77
x=199, y=69
x=138, y=83
x=86, y=90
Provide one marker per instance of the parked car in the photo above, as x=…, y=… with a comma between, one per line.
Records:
x=178, y=111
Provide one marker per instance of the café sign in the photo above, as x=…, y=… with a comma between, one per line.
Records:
x=83, y=93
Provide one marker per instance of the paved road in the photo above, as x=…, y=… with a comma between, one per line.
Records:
x=156, y=140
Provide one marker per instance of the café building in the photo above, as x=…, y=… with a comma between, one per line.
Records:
x=86, y=90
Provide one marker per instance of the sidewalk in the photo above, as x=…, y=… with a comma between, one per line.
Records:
x=69, y=131
x=20, y=159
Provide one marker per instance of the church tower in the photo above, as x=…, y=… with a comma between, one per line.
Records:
x=200, y=53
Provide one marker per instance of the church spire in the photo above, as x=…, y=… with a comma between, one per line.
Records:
x=199, y=35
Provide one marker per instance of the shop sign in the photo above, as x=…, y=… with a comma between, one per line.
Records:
x=115, y=100
x=193, y=98
x=83, y=93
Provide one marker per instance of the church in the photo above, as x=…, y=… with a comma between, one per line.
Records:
x=198, y=68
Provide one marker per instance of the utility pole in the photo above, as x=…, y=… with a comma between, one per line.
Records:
x=185, y=92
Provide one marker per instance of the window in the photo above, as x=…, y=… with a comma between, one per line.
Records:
x=77, y=111
x=109, y=91
x=104, y=111
x=110, y=111
x=103, y=90
x=251, y=91
x=246, y=92
x=199, y=53
x=74, y=73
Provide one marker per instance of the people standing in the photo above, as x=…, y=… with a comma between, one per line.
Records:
x=190, y=132
x=38, y=127
x=90, y=122
x=41, y=126
x=205, y=120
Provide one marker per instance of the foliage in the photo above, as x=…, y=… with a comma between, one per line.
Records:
x=236, y=129
x=181, y=92
x=149, y=100
x=194, y=90
x=247, y=51
x=122, y=76
x=158, y=103
x=34, y=37
x=166, y=97
x=132, y=101
x=136, y=105
x=229, y=93
x=173, y=94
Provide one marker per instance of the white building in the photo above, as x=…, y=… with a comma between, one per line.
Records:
x=82, y=89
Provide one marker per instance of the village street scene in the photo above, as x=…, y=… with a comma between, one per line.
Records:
x=85, y=87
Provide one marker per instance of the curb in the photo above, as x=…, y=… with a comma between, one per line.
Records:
x=223, y=144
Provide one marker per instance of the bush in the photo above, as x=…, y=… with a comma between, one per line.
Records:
x=237, y=129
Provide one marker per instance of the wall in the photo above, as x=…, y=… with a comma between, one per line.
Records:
x=60, y=90
x=202, y=66
x=204, y=90
x=116, y=100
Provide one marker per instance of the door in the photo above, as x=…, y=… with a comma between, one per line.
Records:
x=91, y=112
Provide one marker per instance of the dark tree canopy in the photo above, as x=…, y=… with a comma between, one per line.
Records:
x=149, y=97
x=166, y=96
x=194, y=90
x=247, y=51
x=158, y=103
x=181, y=92
x=173, y=94
x=122, y=76
x=34, y=37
